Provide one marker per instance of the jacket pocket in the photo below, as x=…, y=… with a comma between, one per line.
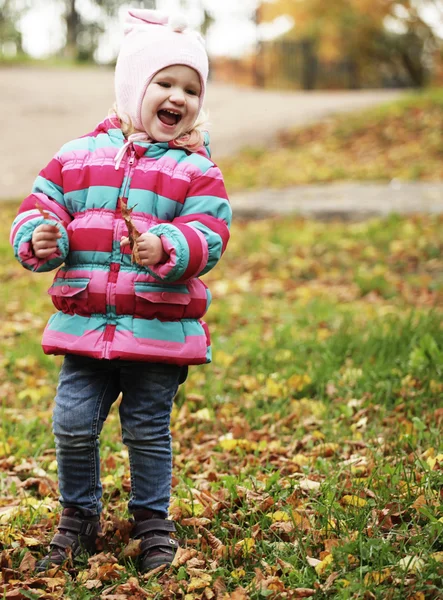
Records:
x=154, y=301
x=70, y=295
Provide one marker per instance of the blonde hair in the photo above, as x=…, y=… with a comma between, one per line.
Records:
x=191, y=140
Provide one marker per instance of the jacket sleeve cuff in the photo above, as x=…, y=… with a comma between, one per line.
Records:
x=175, y=245
x=24, y=251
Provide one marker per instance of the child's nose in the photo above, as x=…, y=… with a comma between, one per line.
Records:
x=177, y=96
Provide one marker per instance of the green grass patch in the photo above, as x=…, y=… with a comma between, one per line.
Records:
x=399, y=140
x=308, y=455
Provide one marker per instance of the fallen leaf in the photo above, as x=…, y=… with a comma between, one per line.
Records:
x=353, y=501
x=133, y=233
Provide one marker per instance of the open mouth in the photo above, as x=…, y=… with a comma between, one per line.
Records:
x=169, y=117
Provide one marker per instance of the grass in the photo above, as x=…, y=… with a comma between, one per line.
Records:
x=399, y=140
x=308, y=455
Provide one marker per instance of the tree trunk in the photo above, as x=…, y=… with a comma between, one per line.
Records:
x=73, y=22
x=415, y=71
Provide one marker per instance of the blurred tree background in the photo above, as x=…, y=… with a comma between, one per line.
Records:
x=325, y=45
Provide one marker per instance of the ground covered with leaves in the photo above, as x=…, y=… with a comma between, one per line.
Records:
x=400, y=140
x=308, y=456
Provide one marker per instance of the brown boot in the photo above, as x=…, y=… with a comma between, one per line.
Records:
x=77, y=533
x=157, y=546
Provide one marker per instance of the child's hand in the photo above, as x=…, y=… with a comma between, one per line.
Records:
x=150, y=249
x=44, y=240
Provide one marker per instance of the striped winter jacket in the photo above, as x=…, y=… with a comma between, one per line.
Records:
x=110, y=308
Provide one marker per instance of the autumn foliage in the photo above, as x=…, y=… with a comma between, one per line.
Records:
x=307, y=457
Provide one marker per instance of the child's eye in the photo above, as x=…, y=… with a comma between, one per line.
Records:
x=191, y=92
x=164, y=84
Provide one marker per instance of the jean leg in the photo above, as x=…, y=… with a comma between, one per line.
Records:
x=86, y=391
x=145, y=413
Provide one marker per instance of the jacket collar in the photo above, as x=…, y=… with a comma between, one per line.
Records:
x=111, y=127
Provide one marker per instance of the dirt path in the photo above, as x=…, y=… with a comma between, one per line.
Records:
x=43, y=108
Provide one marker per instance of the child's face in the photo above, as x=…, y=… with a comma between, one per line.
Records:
x=171, y=103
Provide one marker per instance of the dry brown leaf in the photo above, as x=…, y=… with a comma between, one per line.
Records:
x=44, y=213
x=132, y=549
x=28, y=563
x=219, y=587
x=216, y=544
x=195, y=522
x=238, y=594
x=133, y=233
x=182, y=556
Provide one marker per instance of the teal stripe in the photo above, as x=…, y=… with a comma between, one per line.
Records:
x=125, y=185
x=199, y=161
x=45, y=186
x=152, y=203
x=75, y=324
x=96, y=196
x=214, y=241
x=75, y=283
x=192, y=327
x=153, y=329
x=210, y=205
x=22, y=216
x=90, y=143
x=94, y=258
x=180, y=244
x=141, y=286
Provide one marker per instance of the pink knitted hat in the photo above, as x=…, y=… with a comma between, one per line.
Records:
x=152, y=42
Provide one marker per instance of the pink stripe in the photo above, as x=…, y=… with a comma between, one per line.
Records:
x=214, y=173
x=162, y=183
x=27, y=256
x=20, y=223
x=218, y=226
x=198, y=250
x=124, y=341
x=52, y=171
x=79, y=177
x=91, y=239
x=126, y=346
x=208, y=186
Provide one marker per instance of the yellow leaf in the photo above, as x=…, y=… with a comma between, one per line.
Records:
x=324, y=564
x=238, y=573
x=245, y=545
x=377, y=577
x=298, y=382
x=198, y=583
x=353, y=501
x=249, y=382
x=5, y=449
x=275, y=389
x=301, y=460
x=223, y=359
x=437, y=556
x=432, y=461
x=203, y=415
x=279, y=515
x=30, y=541
x=230, y=444
x=108, y=480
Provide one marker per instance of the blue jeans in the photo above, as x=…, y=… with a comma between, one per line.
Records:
x=86, y=391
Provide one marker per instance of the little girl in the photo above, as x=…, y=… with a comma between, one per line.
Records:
x=135, y=212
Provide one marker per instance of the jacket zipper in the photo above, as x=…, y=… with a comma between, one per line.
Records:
x=112, y=279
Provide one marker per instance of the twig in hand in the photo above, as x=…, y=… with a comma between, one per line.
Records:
x=133, y=233
x=44, y=213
